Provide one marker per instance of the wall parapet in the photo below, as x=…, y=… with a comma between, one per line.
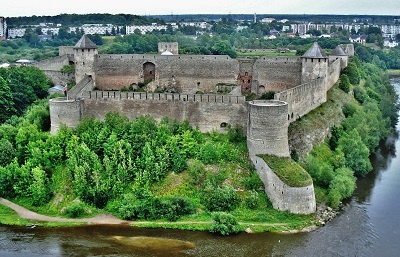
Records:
x=162, y=57
x=143, y=96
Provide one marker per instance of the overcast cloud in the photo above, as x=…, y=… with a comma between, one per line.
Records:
x=53, y=7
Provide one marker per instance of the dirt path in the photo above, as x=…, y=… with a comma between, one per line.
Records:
x=30, y=215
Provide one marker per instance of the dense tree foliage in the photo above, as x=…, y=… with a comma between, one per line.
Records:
x=369, y=119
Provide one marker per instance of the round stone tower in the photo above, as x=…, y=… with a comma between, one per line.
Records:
x=84, y=52
x=65, y=111
x=267, y=128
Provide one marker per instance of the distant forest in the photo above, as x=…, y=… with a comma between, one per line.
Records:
x=79, y=19
x=128, y=19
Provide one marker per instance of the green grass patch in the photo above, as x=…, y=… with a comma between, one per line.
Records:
x=288, y=170
x=393, y=72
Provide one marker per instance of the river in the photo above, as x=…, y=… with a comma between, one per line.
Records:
x=368, y=226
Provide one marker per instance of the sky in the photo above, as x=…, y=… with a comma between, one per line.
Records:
x=14, y=8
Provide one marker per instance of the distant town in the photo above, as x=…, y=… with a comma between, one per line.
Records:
x=278, y=27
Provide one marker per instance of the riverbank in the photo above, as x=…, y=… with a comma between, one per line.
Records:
x=394, y=73
x=14, y=214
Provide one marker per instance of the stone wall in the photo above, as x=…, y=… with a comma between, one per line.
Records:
x=189, y=73
x=304, y=98
x=277, y=73
x=208, y=112
x=60, y=78
x=300, y=200
x=53, y=64
x=334, y=72
x=65, y=50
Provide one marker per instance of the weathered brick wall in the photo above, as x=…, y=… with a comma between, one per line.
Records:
x=59, y=78
x=53, y=64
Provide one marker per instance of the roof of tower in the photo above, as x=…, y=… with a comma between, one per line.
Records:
x=85, y=43
x=315, y=51
x=338, y=51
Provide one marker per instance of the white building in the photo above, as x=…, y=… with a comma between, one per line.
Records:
x=144, y=28
x=16, y=32
x=3, y=27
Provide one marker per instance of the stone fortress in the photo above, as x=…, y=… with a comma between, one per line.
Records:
x=206, y=90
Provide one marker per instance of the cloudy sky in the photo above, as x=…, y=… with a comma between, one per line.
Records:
x=12, y=8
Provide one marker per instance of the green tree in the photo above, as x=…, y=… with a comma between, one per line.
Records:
x=353, y=73
x=6, y=101
x=39, y=188
x=355, y=152
x=344, y=83
x=7, y=152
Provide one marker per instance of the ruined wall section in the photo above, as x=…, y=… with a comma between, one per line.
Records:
x=53, y=64
x=60, y=78
x=300, y=200
x=277, y=73
x=208, y=112
x=304, y=98
x=190, y=73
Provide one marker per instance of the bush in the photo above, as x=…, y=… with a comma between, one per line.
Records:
x=344, y=83
x=349, y=109
x=360, y=95
x=253, y=182
x=224, y=224
x=75, y=210
x=251, y=201
x=197, y=172
x=219, y=198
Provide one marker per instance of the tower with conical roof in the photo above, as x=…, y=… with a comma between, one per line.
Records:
x=339, y=53
x=314, y=64
x=84, y=51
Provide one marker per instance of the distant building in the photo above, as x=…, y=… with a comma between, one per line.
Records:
x=168, y=48
x=388, y=42
x=16, y=32
x=267, y=20
x=361, y=39
x=3, y=28
x=145, y=28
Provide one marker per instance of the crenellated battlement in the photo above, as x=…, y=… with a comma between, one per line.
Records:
x=143, y=96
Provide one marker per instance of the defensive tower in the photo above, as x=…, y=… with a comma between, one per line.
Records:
x=84, y=51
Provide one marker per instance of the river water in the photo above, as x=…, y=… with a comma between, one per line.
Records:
x=368, y=226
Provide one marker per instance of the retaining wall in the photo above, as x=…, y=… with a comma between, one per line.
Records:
x=300, y=200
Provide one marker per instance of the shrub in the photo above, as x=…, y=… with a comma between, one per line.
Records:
x=251, y=201
x=344, y=83
x=197, y=172
x=267, y=95
x=224, y=224
x=75, y=210
x=349, y=109
x=253, y=182
x=219, y=198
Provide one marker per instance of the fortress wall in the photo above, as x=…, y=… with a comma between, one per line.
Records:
x=63, y=111
x=65, y=50
x=304, y=98
x=267, y=128
x=213, y=114
x=59, y=78
x=334, y=73
x=300, y=200
x=53, y=64
x=277, y=74
x=118, y=71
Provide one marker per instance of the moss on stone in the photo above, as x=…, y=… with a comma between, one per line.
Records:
x=288, y=170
